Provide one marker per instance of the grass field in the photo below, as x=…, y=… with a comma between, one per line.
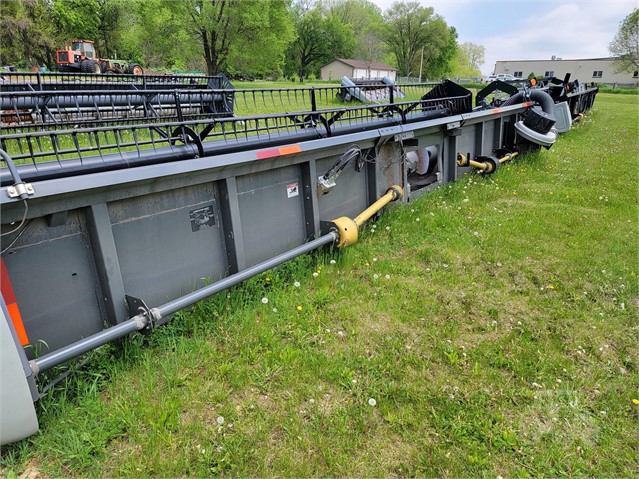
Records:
x=488, y=329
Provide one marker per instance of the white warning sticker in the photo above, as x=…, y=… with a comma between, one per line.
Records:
x=292, y=190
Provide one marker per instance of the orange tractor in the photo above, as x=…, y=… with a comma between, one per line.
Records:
x=80, y=56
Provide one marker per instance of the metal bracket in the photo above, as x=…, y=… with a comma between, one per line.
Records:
x=405, y=135
x=20, y=189
x=138, y=306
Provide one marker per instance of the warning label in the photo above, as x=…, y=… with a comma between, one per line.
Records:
x=202, y=218
x=292, y=190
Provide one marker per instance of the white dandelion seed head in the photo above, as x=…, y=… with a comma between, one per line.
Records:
x=332, y=261
x=275, y=310
x=220, y=420
x=315, y=274
x=372, y=402
x=296, y=284
x=375, y=276
x=265, y=300
x=387, y=276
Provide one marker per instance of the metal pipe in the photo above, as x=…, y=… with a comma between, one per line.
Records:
x=141, y=321
x=394, y=192
x=349, y=228
x=85, y=345
x=508, y=157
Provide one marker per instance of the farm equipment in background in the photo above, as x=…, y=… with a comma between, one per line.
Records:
x=80, y=56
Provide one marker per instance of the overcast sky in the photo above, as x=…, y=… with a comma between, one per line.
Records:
x=535, y=29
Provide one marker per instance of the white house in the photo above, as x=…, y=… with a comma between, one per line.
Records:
x=359, y=69
x=586, y=70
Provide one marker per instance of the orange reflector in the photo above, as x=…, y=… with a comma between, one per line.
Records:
x=12, y=305
x=285, y=150
x=533, y=81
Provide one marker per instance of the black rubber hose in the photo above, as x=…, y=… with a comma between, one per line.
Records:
x=544, y=99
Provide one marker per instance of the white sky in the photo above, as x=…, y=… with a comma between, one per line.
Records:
x=533, y=29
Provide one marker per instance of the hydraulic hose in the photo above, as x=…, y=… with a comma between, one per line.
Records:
x=544, y=99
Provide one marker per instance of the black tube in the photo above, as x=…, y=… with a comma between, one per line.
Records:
x=544, y=99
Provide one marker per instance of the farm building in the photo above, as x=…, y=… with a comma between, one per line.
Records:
x=360, y=69
x=586, y=70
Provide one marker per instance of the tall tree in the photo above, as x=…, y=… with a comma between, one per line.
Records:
x=412, y=29
x=320, y=39
x=366, y=20
x=27, y=35
x=221, y=24
x=625, y=45
x=474, y=54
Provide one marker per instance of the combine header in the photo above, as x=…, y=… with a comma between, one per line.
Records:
x=125, y=201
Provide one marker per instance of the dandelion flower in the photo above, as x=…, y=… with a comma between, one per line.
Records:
x=315, y=274
x=265, y=300
x=333, y=261
x=635, y=402
x=299, y=308
x=372, y=402
x=268, y=279
x=296, y=284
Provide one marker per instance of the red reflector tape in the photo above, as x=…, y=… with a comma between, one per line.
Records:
x=527, y=104
x=496, y=110
x=12, y=305
x=285, y=150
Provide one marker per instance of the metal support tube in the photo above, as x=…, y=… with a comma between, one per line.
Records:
x=85, y=345
x=508, y=157
x=141, y=321
x=394, y=192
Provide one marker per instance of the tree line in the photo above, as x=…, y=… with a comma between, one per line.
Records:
x=262, y=38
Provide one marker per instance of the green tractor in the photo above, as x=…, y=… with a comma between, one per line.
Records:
x=80, y=56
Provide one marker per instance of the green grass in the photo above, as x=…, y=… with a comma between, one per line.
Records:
x=493, y=321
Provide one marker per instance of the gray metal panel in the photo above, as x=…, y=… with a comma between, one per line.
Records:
x=349, y=197
x=169, y=243
x=55, y=283
x=272, y=213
